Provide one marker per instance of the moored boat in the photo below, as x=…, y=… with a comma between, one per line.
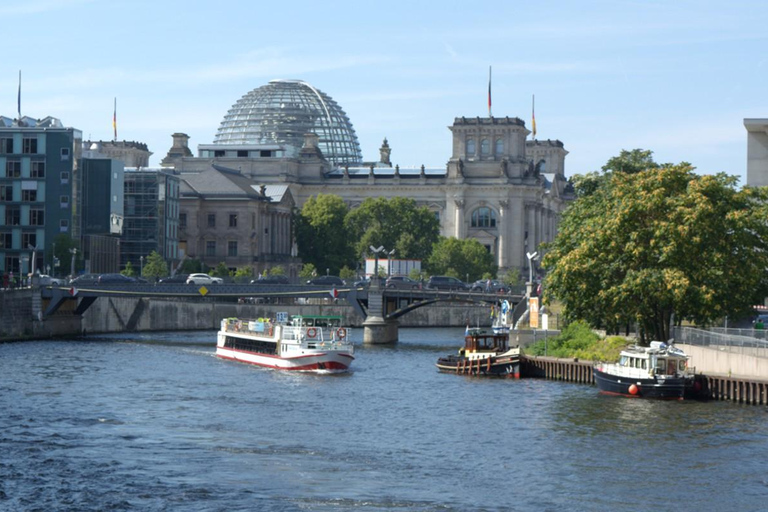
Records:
x=483, y=354
x=658, y=371
x=306, y=343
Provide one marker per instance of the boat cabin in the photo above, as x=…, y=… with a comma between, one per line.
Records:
x=477, y=340
x=659, y=359
x=321, y=321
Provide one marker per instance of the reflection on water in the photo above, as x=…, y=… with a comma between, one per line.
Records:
x=157, y=422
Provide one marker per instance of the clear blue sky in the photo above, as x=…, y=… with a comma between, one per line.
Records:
x=675, y=77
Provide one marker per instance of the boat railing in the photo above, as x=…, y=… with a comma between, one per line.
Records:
x=327, y=337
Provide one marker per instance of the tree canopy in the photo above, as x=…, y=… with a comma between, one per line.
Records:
x=463, y=259
x=321, y=236
x=395, y=223
x=155, y=267
x=646, y=245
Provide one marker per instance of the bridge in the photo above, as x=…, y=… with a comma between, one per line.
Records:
x=379, y=307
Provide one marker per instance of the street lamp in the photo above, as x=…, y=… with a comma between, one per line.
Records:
x=73, y=252
x=141, y=266
x=390, y=255
x=531, y=258
x=33, y=248
x=376, y=252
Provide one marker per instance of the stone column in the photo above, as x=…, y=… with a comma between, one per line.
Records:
x=501, y=257
x=516, y=230
x=458, y=220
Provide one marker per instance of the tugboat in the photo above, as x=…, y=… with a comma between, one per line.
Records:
x=483, y=354
x=658, y=371
x=307, y=343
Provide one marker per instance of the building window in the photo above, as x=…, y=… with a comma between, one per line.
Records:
x=210, y=248
x=29, y=145
x=219, y=153
x=29, y=196
x=64, y=200
x=12, y=216
x=38, y=170
x=28, y=240
x=233, y=220
x=12, y=169
x=63, y=225
x=242, y=154
x=64, y=177
x=232, y=248
x=470, y=147
x=6, y=240
x=483, y=218
x=485, y=147
x=211, y=220
x=36, y=217
x=6, y=193
x=499, y=147
x=6, y=146
x=64, y=154
x=182, y=221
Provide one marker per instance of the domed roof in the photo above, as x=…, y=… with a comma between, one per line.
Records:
x=282, y=112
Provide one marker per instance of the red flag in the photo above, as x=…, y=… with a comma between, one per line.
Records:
x=489, y=92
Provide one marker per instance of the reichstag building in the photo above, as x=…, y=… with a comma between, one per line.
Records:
x=497, y=186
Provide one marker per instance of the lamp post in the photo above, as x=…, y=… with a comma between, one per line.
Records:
x=390, y=256
x=141, y=266
x=529, y=286
x=33, y=248
x=73, y=252
x=376, y=252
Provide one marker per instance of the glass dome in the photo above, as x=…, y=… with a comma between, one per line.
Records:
x=282, y=112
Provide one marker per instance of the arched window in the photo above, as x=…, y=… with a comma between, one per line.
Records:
x=485, y=147
x=499, y=147
x=483, y=217
x=470, y=147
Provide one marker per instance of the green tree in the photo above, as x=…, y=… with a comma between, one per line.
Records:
x=346, y=273
x=243, y=275
x=129, y=270
x=277, y=271
x=308, y=271
x=193, y=266
x=512, y=277
x=395, y=223
x=221, y=271
x=461, y=258
x=664, y=241
x=155, y=267
x=63, y=244
x=632, y=162
x=321, y=237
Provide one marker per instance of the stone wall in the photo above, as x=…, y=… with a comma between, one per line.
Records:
x=19, y=318
x=113, y=314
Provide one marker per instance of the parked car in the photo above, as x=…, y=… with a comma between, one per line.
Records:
x=177, y=279
x=362, y=283
x=46, y=280
x=203, y=279
x=276, y=279
x=496, y=286
x=85, y=280
x=115, y=279
x=446, y=283
x=402, y=283
x=327, y=281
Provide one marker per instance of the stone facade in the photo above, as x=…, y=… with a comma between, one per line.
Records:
x=757, y=152
x=497, y=187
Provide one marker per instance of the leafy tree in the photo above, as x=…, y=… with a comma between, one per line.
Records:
x=664, y=241
x=63, y=243
x=129, y=270
x=155, y=267
x=395, y=223
x=221, y=270
x=193, y=266
x=632, y=162
x=321, y=237
x=416, y=274
x=308, y=271
x=511, y=277
x=277, y=271
x=346, y=273
x=461, y=258
x=243, y=274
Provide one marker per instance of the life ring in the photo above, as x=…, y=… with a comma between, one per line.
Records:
x=342, y=332
x=311, y=332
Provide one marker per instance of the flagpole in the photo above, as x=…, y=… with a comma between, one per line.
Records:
x=114, y=120
x=19, y=98
x=533, y=115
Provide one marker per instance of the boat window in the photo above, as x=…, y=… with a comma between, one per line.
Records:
x=681, y=365
x=643, y=362
x=623, y=361
x=661, y=365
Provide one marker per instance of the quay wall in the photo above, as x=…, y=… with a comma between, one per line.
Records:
x=713, y=361
x=20, y=317
x=115, y=314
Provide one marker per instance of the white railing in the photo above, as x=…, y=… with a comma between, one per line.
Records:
x=749, y=342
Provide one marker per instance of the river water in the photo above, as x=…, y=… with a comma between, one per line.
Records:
x=157, y=422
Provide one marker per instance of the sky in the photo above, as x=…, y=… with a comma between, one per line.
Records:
x=674, y=77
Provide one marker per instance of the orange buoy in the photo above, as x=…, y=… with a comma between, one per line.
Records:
x=633, y=389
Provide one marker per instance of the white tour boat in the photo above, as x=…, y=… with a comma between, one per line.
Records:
x=306, y=343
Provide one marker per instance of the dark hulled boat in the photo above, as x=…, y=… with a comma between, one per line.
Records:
x=659, y=371
x=483, y=354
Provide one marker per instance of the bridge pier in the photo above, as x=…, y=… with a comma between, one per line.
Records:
x=378, y=331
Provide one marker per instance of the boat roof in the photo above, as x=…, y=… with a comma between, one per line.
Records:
x=659, y=349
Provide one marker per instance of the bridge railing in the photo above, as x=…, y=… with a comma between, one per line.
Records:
x=750, y=342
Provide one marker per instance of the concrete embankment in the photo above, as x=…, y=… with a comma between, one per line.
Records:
x=20, y=317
